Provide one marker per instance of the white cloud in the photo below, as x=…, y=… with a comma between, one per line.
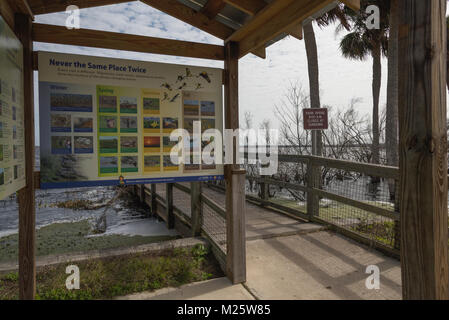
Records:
x=262, y=82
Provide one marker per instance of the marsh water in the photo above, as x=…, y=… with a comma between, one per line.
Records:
x=120, y=218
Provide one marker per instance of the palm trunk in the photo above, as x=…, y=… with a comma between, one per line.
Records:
x=314, y=82
x=391, y=134
x=377, y=73
x=447, y=55
x=391, y=127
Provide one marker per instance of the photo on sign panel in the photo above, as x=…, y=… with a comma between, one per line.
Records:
x=152, y=163
x=151, y=105
x=128, y=105
x=128, y=124
x=108, y=104
x=108, y=144
x=83, y=125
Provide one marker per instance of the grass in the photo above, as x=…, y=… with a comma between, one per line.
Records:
x=118, y=276
x=61, y=238
x=382, y=232
x=370, y=225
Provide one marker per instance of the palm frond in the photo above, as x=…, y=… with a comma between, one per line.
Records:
x=353, y=46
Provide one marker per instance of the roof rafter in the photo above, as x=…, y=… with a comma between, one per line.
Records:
x=276, y=18
x=192, y=17
x=197, y=19
x=251, y=7
x=51, y=6
x=127, y=42
x=212, y=8
x=21, y=6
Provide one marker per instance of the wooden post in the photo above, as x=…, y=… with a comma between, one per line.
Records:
x=27, y=210
x=423, y=149
x=264, y=189
x=235, y=177
x=153, y=200
x=196, y=208
x=313, y=202
x=169, y=206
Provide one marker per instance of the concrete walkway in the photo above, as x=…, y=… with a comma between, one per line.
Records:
x=289, y=259
x=215, y=289
x=320, y=265
x=314, y=266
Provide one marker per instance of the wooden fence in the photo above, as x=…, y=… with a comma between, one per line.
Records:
x=345, y=207
x=201, y=217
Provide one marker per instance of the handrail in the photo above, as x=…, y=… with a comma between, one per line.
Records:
x=214, y=206
x=367, y=168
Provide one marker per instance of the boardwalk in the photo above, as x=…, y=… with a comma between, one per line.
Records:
x=290, y=259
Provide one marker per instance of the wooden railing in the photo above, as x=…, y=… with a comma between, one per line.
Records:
x=165, y=208
x=353, y=216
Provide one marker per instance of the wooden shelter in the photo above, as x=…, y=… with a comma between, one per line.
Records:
x=249, y=26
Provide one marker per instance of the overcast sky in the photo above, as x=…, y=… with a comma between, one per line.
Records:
x=262, y=83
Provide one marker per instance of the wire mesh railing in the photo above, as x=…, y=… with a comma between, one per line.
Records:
x=359, y=199
x=212, y=214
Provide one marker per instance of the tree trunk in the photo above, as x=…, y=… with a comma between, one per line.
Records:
x=391, y=127
x=447, y=54
x=314, y=83
x=377, y=73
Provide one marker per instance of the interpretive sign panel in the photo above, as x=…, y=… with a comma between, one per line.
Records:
x=12, y=138
x=108, y=121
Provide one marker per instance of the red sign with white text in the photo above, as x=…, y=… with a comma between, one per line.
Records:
x=315, y=119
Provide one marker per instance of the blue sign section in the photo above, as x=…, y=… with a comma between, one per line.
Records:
x=71, y=109
x=83, y=151
x=60, y=129
x=83, y=130
x=80, y=184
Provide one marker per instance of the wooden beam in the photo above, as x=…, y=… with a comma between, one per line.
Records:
x=353, y=4
x=212, y=8
x=423, y=149
x=169, y=205
x=196, y=208
x=7, y=13
x=192, y=17
x=121, y=41
x=21, y=6
x=234, y=177
x=51, y=6
x=276, y=18
x=261, y=52
x=251, y=7
x=27, y=201
x=153, y=191
x=296, y=31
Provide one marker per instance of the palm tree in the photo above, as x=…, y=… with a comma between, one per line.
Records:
x=336, y=14
x=362, y=43
x=391, y=125
x=447, y=63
